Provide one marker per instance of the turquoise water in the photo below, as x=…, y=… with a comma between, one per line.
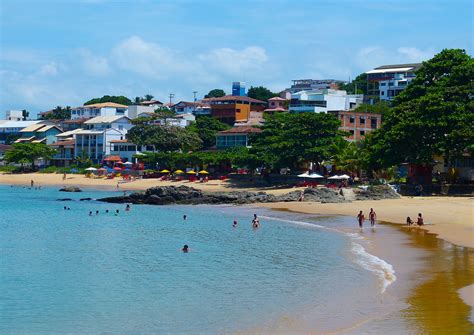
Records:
x=63, y=271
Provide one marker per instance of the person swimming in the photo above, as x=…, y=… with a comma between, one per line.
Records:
x=106, y=210
x=127, y=208
x=90, y=213
x=65, y=207
x=185, y=248
x=96, y=212
x=185, y=217
x=234, y=224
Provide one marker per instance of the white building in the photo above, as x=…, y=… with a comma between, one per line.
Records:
x=127, y=150
x=322, y=101
x=135, y=110
x=14, y=115
x=100, y=109
x=390, y=80
x=11, y=129
x=94, y=141
x=196, y=108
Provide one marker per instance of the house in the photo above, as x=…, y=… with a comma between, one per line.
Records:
x=313, y=84
x=181, y=120
x=358, y=124
x=276, y=104
x=3, y=148
x=230, y=109
x=14, y=115
x=196, y=108
x=10, y=130
x=387, y=81
x=323, y=101
x=65, y=147
x=94, y=141
x=68, y=125
x=99, y=109
x=39, y=133
x=235, y=137
x=135, y=110
x=155, y=104
x=127, y=150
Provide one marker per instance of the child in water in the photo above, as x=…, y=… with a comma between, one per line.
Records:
x=185, y=248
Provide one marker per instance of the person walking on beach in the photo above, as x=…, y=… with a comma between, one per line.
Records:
x=64, y=176
x=360, y=219
x=32, y=183
x=372, y=217
x=420, y=221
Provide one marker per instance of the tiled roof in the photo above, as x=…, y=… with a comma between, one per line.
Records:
x=119, y=141
x=240, y=130
x=104, y=104
x=235, y=98
x=105, y=119
x=63, y=143
x=276, y=99
x=82, y=120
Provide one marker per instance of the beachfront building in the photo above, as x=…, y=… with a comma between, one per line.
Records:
x=239, y=89
x=196, y=108
x=127, y=150
x=358, y=124
x=180, y=120
x=68, y=125
x=235, y=137
x=323, y=101
x=10, y=130
x=231, y=109
x=275, y=105
x=14, y=115
x=39, y=133
x=65, y=146
x=313, y=84
x=99, y=109
x=387, y=81
x=94, y=141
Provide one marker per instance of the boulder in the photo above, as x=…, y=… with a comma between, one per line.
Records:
x=70, y=189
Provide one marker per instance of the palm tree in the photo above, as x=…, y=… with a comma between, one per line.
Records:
x=346, y=156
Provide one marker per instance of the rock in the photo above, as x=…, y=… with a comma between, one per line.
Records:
x=70, y=189
x=64, y=199
x=85, y=199
x=377, y=192
x=348, y=194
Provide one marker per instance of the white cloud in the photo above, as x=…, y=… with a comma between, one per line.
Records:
x=232, y=61
x=50, y=69
x=94, y=65
x=373, y=56
x=415, y=54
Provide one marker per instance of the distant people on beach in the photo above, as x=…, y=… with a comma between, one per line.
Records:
x=301, y=196
x=419, y=190
x=420, y=221
x=409, y=221
x=234, y=224
x=185, y=248
x=64, y=176
x=360, y=219
x=32, y=183
x=372, y=217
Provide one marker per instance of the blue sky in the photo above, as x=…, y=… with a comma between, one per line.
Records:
x=66, y=52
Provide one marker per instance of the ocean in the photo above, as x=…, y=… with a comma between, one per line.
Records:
x=64, y=271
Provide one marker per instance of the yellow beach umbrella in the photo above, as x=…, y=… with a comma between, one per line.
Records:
x=179, y=171
x=164, y=171
x=203, y=172
x=191, y=172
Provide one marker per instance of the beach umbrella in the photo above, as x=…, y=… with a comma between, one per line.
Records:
x=165, y=171
x=128, y=163
x=315, y=175
x=191, y=172
x=179, y=171
x=102, y=169
x=203, y=172
x=117, y=168
x=344, y=176
x=303, y=175
x=335, y=177
x=91, y=169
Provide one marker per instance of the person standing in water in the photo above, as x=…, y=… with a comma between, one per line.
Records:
x=361, y=219
x=372, y=217
x=185, y=217
x=234, y=224
x=127, y=208
x=255, y=221
x=185, y=248
x=32, y=183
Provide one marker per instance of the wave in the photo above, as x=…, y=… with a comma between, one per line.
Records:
x=369, y=262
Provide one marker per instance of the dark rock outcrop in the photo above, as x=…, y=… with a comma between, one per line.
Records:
x=70, y=189
x=64, y=199
x=377, y=192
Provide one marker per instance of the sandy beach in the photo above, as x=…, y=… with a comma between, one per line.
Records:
x=451, y=218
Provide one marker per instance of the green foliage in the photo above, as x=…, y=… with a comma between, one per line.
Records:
x=12, y=138
x=346, y=156
x=83, y=160
x=290, y=139
x=25, y=153
x=434, y=115
x=164, y=113
x=260, y=93
x=164, y=138
x=25, y=114
x=360, y=82
x=380, y=107
x=215, y=93
x=206, y=128
x=59, y=113
x=110, y=98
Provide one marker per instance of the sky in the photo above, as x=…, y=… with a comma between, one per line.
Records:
x=65, y=52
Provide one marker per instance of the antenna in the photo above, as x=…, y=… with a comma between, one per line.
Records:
x=171, y=97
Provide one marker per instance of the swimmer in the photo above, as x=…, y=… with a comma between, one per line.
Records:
x=65, y=207
x=96, y=212
x=69, y=208
x=127, y=208
x=234, y=224
x=185, y=248
x=185, y=217
x=106, y=210
x=90, y=213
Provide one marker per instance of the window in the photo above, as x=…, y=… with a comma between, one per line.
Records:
x=362, y=120
x=352, y=132
x=362, y=133
x=351, y=119
x=120, y=127
x=382, y=93
x=383, y=84
x=373, y=123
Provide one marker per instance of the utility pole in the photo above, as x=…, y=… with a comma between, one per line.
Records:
x=171, y=97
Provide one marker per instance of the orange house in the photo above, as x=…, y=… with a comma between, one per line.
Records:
x=230, y=109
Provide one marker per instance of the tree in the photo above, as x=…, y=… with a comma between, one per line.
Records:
x=345, y=156
x=110, y=98
x=206, y=128
x=215, y=93
x=434, y=115
x=148, y=97
x=25, y=153
x=25, y=114
x=261, y=93
x=287, y=140
x=380, y=107
x=359, y=84
x=164, y=138
x=59, y=113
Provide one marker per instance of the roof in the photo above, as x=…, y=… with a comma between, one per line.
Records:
x=395, y=68
x=276, y=99
x=151, y=102
x=190, y=104
x=103, y=104
x=69, y=133
x=240, y=130
x=90, y=132
x=235, y=98
x=40, y=128
x=279, y=109
x=414, y=65
x=18, y=124
x=105, y=119
x=112, y=158
x=46, y=128
x=119, y=141
x=81, y=120
x=41, y=140
x=63, y=143
x=24, y=139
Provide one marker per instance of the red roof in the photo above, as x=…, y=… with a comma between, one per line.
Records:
x=241, y=130
x=119, y=141
x=63, y=143
x=76, y=120
x=277, y=99
x=112, y=159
